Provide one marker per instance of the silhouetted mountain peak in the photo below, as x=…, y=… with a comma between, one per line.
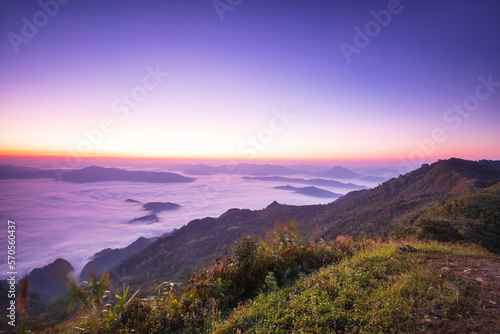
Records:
x=274, y=204
x=57, y=269
x=94, y=167
x=339, y=172
x=50, y=280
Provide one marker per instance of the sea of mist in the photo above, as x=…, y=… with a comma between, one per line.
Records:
x=74, y=221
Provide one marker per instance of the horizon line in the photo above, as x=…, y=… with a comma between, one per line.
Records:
x=230, y=160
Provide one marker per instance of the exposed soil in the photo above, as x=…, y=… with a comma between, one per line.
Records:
x=482, y=314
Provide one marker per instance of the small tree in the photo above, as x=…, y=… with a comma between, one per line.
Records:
x=244, y=256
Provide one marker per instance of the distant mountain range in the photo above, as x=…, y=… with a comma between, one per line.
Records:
x=400, y=204
x=246, y=169
x=310, y=191
x=21, y=172
x=96, y=173
x=337, y=172
x=316, y=182
x=91, y=174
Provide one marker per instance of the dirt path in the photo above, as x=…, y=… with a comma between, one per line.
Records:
x=483, y=277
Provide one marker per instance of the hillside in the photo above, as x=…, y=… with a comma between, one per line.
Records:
x=109, y=258
x=400, y=201
x=471, y=217
x=198, y=243
x=382, y=290
x=396, y=204
x=288, y=285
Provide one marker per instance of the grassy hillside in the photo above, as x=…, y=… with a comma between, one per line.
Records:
x=472, y=218
x=197, y=244
x=397, y=202
x=276, y=287
x=394, y=205
x=379, y=290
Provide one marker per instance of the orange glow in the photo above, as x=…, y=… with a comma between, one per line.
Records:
x=321, y=160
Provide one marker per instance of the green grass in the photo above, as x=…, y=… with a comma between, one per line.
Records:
x=468, y=250
x=377, y=290
x=288, y=285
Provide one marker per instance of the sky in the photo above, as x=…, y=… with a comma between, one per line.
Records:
x=406, y=80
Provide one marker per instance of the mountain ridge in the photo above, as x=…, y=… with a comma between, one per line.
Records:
x=91, y=174
x=109, y=258
x=395, y=203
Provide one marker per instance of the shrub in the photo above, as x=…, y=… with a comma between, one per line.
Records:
x=253, y=267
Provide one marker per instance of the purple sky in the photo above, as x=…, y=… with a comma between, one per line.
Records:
x=82, y=84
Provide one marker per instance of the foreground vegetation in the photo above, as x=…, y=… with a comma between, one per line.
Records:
x=382, y=289
x=290, y=285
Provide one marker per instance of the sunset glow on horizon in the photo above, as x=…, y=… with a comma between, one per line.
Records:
x=260, y=82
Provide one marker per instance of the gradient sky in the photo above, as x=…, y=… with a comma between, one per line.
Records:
x=228, y=78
